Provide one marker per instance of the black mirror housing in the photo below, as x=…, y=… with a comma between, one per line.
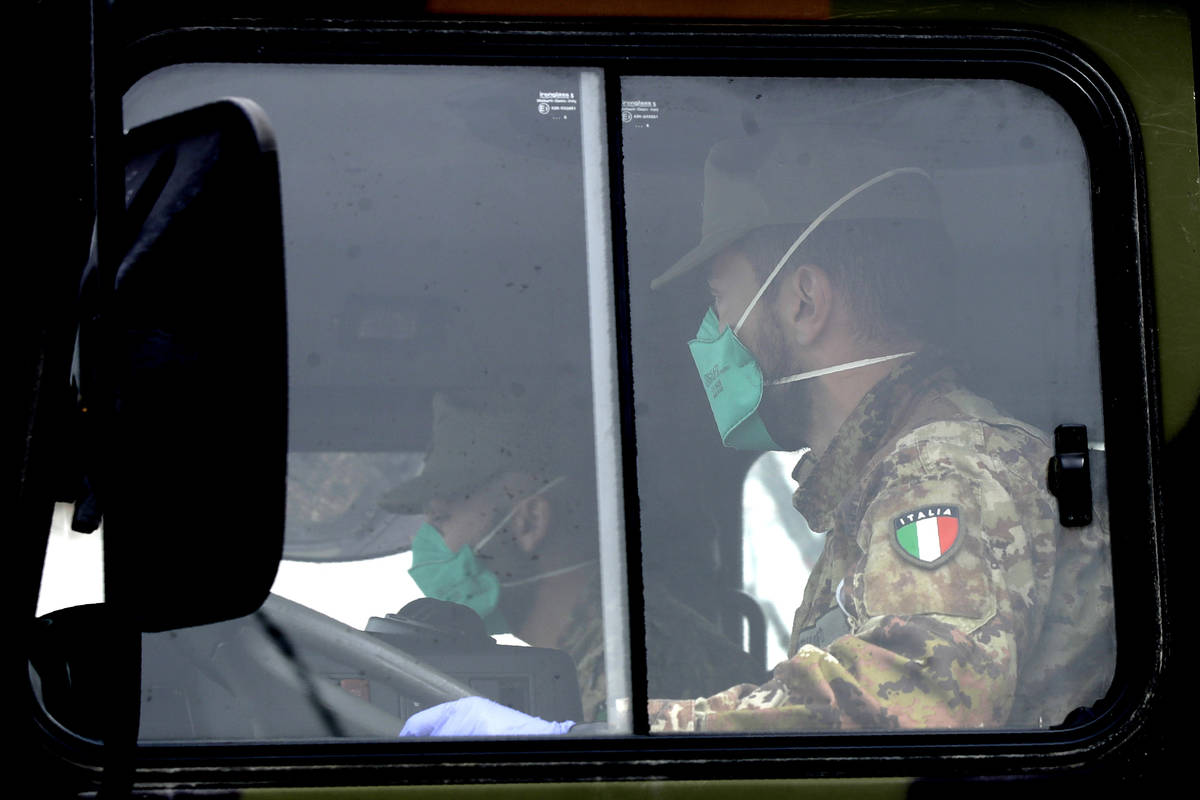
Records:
x=182, y=370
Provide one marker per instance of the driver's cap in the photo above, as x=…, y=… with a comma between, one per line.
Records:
x=475, y=440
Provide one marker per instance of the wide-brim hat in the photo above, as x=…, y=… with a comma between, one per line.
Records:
x=475, y=441
x=792, y=177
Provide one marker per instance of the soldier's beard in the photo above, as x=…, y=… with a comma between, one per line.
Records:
x=785, y=409
x=505, y=557
x=516, y=603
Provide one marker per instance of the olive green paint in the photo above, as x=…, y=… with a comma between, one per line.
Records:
x=1148, y=47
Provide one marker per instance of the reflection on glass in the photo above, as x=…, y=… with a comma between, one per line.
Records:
x=880, y=267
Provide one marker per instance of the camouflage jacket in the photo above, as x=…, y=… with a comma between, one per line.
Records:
x=947, y=594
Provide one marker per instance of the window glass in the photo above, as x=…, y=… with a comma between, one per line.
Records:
x=443, y=409
x=885, y=286
x=899, y=282
x=779, y=550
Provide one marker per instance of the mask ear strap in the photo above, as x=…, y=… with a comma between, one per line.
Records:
x=500, y=525
x=812, y=226
x=552, y=573
x=816, y=373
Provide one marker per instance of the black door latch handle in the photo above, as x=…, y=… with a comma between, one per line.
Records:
x=1069, y=477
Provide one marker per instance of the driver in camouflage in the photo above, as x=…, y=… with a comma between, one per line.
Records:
x=508, y=529
x=511, y=534
x=947, y=594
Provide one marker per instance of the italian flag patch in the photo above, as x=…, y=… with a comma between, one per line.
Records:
x=926, y=536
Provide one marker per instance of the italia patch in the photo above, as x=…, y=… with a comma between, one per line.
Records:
x=927, y=536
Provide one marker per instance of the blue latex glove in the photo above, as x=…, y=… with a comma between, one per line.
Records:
x=478, y=716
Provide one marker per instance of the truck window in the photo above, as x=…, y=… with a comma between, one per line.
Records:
x=844, y=322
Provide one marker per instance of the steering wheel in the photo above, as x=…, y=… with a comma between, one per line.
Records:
x=243, y=678
x=288, y=626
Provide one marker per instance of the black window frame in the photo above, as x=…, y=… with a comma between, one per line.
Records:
x=1044, y=59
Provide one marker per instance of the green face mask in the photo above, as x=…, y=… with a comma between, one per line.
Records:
x=443, y=574
x=734, y=383
x=456, y=577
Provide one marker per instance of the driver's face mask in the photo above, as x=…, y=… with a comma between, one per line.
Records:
x=732, y=377
x=459, y=577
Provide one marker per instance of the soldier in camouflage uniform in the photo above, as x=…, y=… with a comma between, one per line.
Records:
x=497, y=466
x=947, y=594
x=1010, y=625
x=500, y=499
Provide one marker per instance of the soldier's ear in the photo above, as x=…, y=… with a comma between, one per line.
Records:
x=806, y=299
x=531, y=522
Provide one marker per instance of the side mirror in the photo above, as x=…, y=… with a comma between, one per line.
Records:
x=182, y=370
